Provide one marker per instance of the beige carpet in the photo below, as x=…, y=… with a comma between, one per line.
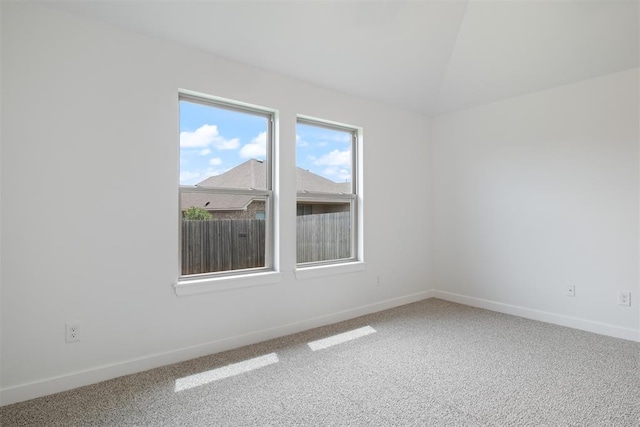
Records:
x=431, y=363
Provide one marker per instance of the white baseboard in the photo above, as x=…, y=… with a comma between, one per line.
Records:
x=72, y=380
x=543, y=316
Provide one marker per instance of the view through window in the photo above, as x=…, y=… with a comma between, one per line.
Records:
x=225, y=187
x=326, y=192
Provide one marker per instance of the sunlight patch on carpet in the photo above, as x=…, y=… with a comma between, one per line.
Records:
x=340, y=338
x=207, y=377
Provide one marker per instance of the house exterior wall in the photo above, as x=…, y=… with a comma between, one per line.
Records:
x=309, y=208
x=248, y=213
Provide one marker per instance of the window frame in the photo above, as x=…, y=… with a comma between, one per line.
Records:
x=196, y=283
x=354, y=199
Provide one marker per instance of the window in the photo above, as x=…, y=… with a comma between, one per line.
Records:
x=327, y=201
x=226, y=199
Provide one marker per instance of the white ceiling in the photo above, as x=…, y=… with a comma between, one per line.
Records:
x=427, y=56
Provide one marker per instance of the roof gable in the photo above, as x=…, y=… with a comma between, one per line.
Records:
x=253, y=174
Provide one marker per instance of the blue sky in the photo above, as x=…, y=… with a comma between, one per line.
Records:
x=214, y=140
x=326, y=152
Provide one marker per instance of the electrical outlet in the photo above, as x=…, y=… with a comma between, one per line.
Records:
x=624, y=298
x=73, y=331
x=378, y=281
x=571, y=290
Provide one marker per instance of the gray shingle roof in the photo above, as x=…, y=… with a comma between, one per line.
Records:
x=252, y=174
x=309, y=181
x=215, y=202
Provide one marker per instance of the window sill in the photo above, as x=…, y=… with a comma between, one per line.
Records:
x=329, y=270
x=215, y=284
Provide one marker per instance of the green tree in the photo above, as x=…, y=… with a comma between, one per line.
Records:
x=196, y=214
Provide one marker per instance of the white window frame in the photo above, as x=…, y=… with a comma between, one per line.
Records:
x=222, y=280
x=355, y=261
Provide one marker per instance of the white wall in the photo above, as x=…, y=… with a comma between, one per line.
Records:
x=529, y=194
x=89, y=205
x=536, y=192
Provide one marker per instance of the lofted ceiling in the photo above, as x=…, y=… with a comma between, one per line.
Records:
x=426, y=56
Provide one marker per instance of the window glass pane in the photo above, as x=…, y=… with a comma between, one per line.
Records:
x=223, y=153
x=324, y=159
x=323, y=231
x=325, y=218
x=220, y=147
x=221, y=240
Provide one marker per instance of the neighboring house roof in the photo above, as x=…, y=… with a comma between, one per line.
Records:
x=252, y=174
x=216, y=202
x=309, y=181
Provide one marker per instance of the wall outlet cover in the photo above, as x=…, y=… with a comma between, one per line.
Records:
x=624, y=298
x=570, y=291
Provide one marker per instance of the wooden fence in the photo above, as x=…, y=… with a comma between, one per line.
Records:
x=323, y=237
x=222, y=245
x=233, y=244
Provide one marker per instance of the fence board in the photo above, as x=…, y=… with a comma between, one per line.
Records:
x=222, y=245
x=234, y=244
x=323, y=237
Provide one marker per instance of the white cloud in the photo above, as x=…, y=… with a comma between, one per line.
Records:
x=205, y=136
x=301, y=142
x=338, y=174
x=337, y=165
x=335, y=158
x=189, y=177
x=205, y=152
x=257, y=148
x=215, y=161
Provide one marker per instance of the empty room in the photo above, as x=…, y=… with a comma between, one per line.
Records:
x=310, y=213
